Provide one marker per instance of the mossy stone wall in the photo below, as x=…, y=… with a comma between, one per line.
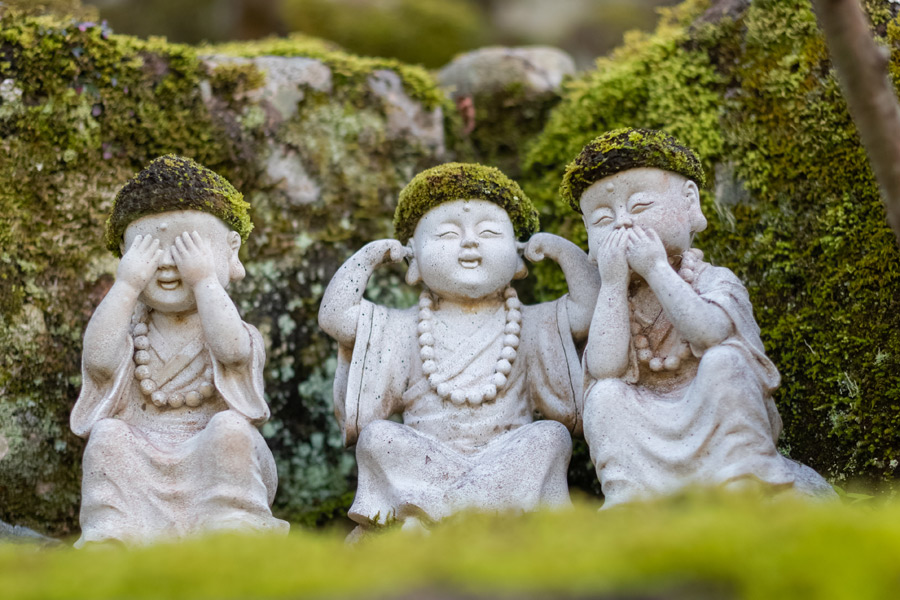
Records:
x=319, y=142
x=793, y=207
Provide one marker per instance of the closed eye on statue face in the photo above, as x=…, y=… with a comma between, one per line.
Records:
x=489, y=233
x=602, y=219
x=448, y=234
x=640, y=206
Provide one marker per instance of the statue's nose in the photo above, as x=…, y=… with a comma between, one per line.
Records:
x=166, y=260
x=469, y=240
x=624, y=221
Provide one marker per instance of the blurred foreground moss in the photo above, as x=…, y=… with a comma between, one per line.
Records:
x=710, y=547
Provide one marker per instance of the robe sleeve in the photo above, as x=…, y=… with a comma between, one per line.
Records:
x=242, y=387
x=553, y=366
x=372, y=375
x=98, y=401
x=722, y=287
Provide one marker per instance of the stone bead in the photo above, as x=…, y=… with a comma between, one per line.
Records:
x=142, y=342
x=489, y=392
x=635, y=328
x=641, y=342
x=190, y=400
x=513, y=303
x=429, y=367
x=158, y=398
x=148, y=386
x=177, y=400
x=207, y=389
x=514, y=316
x=672, y=362
x=443, y=390
x=142, y=357
x=426, y=339
x=498, y=379
x=140, y=329
x=424, y=326
x=457, y=397
x=688, y=275
x=510, y=293
x=508, y=354
x=425, y=302
x=511, y=340
x=474, y=397
x=142, y=372
x=656, y=364
x=427, y=353
x=504, y=366
x=425, y=314
x=644, y=355
x=512, y=329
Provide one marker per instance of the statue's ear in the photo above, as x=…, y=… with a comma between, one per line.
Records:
x=521, y=267
x=692, y=196
x=236, y=270
x=413, y=277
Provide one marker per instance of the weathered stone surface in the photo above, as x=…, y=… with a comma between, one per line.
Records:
x=504, y=96
x=538, y=69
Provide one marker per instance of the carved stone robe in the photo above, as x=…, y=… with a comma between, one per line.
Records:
x=154, y=472
x=447, y=457
x=712, y=421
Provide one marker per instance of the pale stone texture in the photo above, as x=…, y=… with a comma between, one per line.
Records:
x=678, y=389
x=539, y=69
x=467, y=369
x=172, y=392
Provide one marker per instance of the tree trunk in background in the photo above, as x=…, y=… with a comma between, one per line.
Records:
x=862, y=69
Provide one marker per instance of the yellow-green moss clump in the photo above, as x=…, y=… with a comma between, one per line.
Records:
x=176, y=183
x=688, y=548
x=462, y=181
x=624, y=149
x=794, y=210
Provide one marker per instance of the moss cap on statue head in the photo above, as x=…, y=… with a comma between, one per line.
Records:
x=462, y=181
x=624, y=149
x=176, y=183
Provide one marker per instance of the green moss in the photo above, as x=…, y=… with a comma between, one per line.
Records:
x=505, y=121
x=794, y=212
x=688, y=547
x=171, y=183
x=624, y=149
x=462, y=181
x=234, y=80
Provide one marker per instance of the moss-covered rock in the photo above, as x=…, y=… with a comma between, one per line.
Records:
x=321, y=158
x=794, y=211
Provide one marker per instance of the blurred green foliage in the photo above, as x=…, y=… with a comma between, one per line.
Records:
x=427, y=32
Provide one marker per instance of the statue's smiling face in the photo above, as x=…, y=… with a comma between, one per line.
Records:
x=166, y=292
x=466, y=249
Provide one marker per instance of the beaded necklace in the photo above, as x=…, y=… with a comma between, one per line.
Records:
x=690, y=261
x=502, y=368
x=192, y=398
